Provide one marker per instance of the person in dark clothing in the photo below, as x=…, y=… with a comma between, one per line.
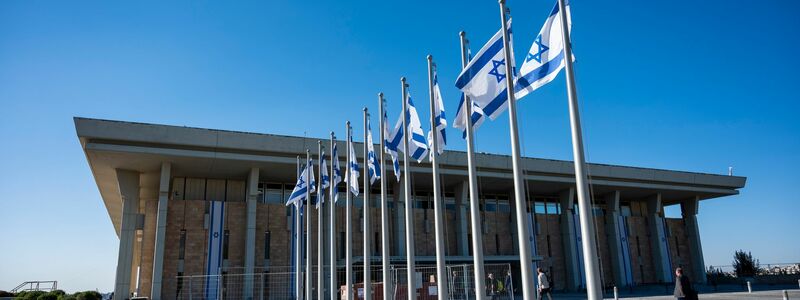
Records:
x=683, y=286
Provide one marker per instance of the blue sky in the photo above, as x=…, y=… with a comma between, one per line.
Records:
x=686, y=85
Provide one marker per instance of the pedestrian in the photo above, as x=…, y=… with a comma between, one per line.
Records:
x=456, y=287
x=493, y=287
x=544, y=285
x=509, y=285
x=683, y=286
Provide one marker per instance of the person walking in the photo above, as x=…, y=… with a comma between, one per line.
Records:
x=544, y=285
x=509, y=285
x=683, y=286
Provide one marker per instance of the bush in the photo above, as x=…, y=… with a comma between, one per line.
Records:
x=88, y=295
x=5, y=294
x=29, y=295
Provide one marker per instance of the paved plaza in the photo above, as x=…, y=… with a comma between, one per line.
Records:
x=766, y=294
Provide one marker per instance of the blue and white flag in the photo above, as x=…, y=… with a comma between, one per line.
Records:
x=337, y=173
x=374, y=169
x=484, y=78
x=418, y=147
x=391, y=141
x=546, y=57
x=304, y=183
x=326, y=180
x=439, y=118
x=460, y=121
x=351, y=177
x=216, y=231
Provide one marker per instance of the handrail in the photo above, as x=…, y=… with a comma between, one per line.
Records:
x=36, y=286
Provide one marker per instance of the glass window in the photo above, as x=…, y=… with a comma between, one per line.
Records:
x=503, y=206
x=552, y=208
x=539, y=208
x=449, y=202
x=597, y=210
x=626, y=210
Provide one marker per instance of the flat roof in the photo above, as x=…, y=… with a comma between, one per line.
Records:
x=214, y=153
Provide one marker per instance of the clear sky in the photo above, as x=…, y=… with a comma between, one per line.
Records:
x=685, y=85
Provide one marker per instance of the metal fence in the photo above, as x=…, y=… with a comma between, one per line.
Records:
x=279, y=283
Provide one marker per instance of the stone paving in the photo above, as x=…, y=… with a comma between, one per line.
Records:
x=772, y=294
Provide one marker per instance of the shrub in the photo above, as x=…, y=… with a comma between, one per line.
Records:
x=744, y=265
x=88, y=295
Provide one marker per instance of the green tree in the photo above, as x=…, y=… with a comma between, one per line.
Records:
x=744, y=265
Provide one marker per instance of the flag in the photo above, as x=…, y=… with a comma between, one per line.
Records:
x=337, y=173
x=440, y=120
x=391, y=141
x=374, y=168
x=484, y=78
x=304, y=182
x=460, y=121
x=351, y=177
x=546, y=57
x=417, y=145
x=323, y=165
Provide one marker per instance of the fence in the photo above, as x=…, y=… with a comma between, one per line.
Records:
x=278, y=283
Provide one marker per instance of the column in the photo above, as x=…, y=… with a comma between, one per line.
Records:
x=250, y=238
x=689, y=210
x=615, y=240
x=161, y=228
x=399, y=219
x=658, y=238
x=128, y=182
x=462, y=199
x=571, y=264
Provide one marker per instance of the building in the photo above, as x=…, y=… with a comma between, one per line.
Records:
x=159, y=184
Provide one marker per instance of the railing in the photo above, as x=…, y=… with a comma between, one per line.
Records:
x=48, y=285
x=765, y=269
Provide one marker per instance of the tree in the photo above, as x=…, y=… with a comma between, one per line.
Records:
x=744, y=265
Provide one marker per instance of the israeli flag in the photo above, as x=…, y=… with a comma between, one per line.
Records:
x=337, y=173
x=546, y=57
x=374, y=169
x=460, y=121
x=391, y=139
x=439, y=118
x=323, y=165
x=304, y=182
x=484, y=78
x=418, y=147
x=351, y=177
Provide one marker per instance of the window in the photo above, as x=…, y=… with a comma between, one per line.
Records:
x=503, y=205
x=552, y=208
x=182, y=245
x=225, y=240
x=449, y=201
x=490, y=202
x=423, y=201
x=267, y=236
x=597, y=210
x=540, y=208
x=179, y=285
x=625, y=210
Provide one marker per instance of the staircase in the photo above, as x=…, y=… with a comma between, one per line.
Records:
x=48, y=286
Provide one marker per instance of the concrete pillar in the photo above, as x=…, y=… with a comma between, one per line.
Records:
x=689, y=210
x=399, y=219
x=571, y=265
x=658, y=238
x=161, y=228
x=462, y=211
x=613, y=236
x=250, y=237
x=129, y=194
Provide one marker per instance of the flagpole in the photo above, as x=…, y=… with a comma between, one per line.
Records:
x=349, y=221
x=367, y=241
x=307, y=216
x=593, y=285
x=334, y=287
x=384, y=211
x=320, y=234
x=437, y=205
x=474, y=202
x=411, y=290
x=298, y=290
x=520, y=198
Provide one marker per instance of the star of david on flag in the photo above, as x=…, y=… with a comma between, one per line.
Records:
x=374, y=169
x=418, y=147
x=351, y=177
x=323, y=165
x=391, y=139
x=304, y=183
x=337, y=173
x=546, y=58
x=483, y=79
x=439, y=119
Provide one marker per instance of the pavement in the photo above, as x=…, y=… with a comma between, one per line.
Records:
x=722, y=293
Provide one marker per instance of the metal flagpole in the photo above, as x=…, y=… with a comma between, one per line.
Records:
x=384, y=211
x=593, y=285
x=349, y=221
x=334, y=287
x=411, y=289
x=367, y=241
x=298, y=290
x=320, y=234
x=520, y=198
x=438, y=213
x=474, y=202
x=307, y=216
